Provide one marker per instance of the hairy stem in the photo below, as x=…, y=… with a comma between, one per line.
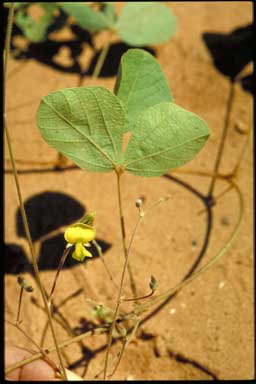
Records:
x=23, y=213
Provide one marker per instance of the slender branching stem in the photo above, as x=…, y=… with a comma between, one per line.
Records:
x=223, y=138
x=123, y=233
x=124, y=346
x=140, y=297
x=102, y=57
x=61, y=345
x=236, y=167
x=60, y=266
x=159, y=298
x=19, y=305
x=99, y=250
x=23, y=213
x=44, y=355
x=127, y=252
x=213, y=260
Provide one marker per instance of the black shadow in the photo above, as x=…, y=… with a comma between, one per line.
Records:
x=231, y=52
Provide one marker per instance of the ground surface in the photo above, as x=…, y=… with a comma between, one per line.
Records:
x=206, y=331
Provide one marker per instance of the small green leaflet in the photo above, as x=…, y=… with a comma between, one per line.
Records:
x=165, y=136
x=86, y=17
x=145, y=23
x=35, y=31
x=84, y=124
x=140, y=84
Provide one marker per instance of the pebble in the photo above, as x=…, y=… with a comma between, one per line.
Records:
x=221, y=284
x=172, y=311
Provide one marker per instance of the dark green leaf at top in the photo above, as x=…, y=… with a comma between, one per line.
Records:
x=145, y=23
x=86, y=17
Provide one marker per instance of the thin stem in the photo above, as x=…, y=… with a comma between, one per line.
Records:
x=124, y=346
x=64, y=344
x=212, y=261
x=127, y=252
x=141, y=297
x=19, y=305
x=213, y=202
x=47, y=359
x=223, y=138
x=235, y=170
x=123, y=232
x=142, y=308
x=60, y=266
x=101, y=59
x=99, y=250
x=23, y=213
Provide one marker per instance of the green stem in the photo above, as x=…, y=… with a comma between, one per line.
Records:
x=223, y=138
x=101, y=60
x=60, y=266
x=127, y=252
x=123, y=232
x=19, y=305
x=23, y=213
x=99, y=250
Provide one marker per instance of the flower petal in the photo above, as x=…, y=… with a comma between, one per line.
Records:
x=80, y=252
x=79, y=233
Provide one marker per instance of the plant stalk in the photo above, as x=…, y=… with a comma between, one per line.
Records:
x=127, y=252
x=223, y=138
x=101, y=59
x=161, y=297
x=23, y=213
x=123, y=232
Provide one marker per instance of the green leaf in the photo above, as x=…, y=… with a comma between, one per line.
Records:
x=165, y=136
x=140, y=84
x=36, y=31
x=86, y=17
x=85, y=125
x=143, y=23
x=108, y=10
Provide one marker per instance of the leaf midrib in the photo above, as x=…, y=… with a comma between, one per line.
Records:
x=162, y=151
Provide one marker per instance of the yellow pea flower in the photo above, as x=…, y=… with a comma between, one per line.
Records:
x=80, y=252
x=80, y=235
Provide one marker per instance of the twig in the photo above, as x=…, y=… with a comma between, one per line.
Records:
x=223, y=138
x=101, y=58
x=127, y=252
x=23, y=213
x=99, y=250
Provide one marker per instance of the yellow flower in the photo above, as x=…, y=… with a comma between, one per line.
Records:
x=80, y=252
x=79, y=233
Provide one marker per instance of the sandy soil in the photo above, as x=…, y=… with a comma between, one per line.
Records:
x=206, y=331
